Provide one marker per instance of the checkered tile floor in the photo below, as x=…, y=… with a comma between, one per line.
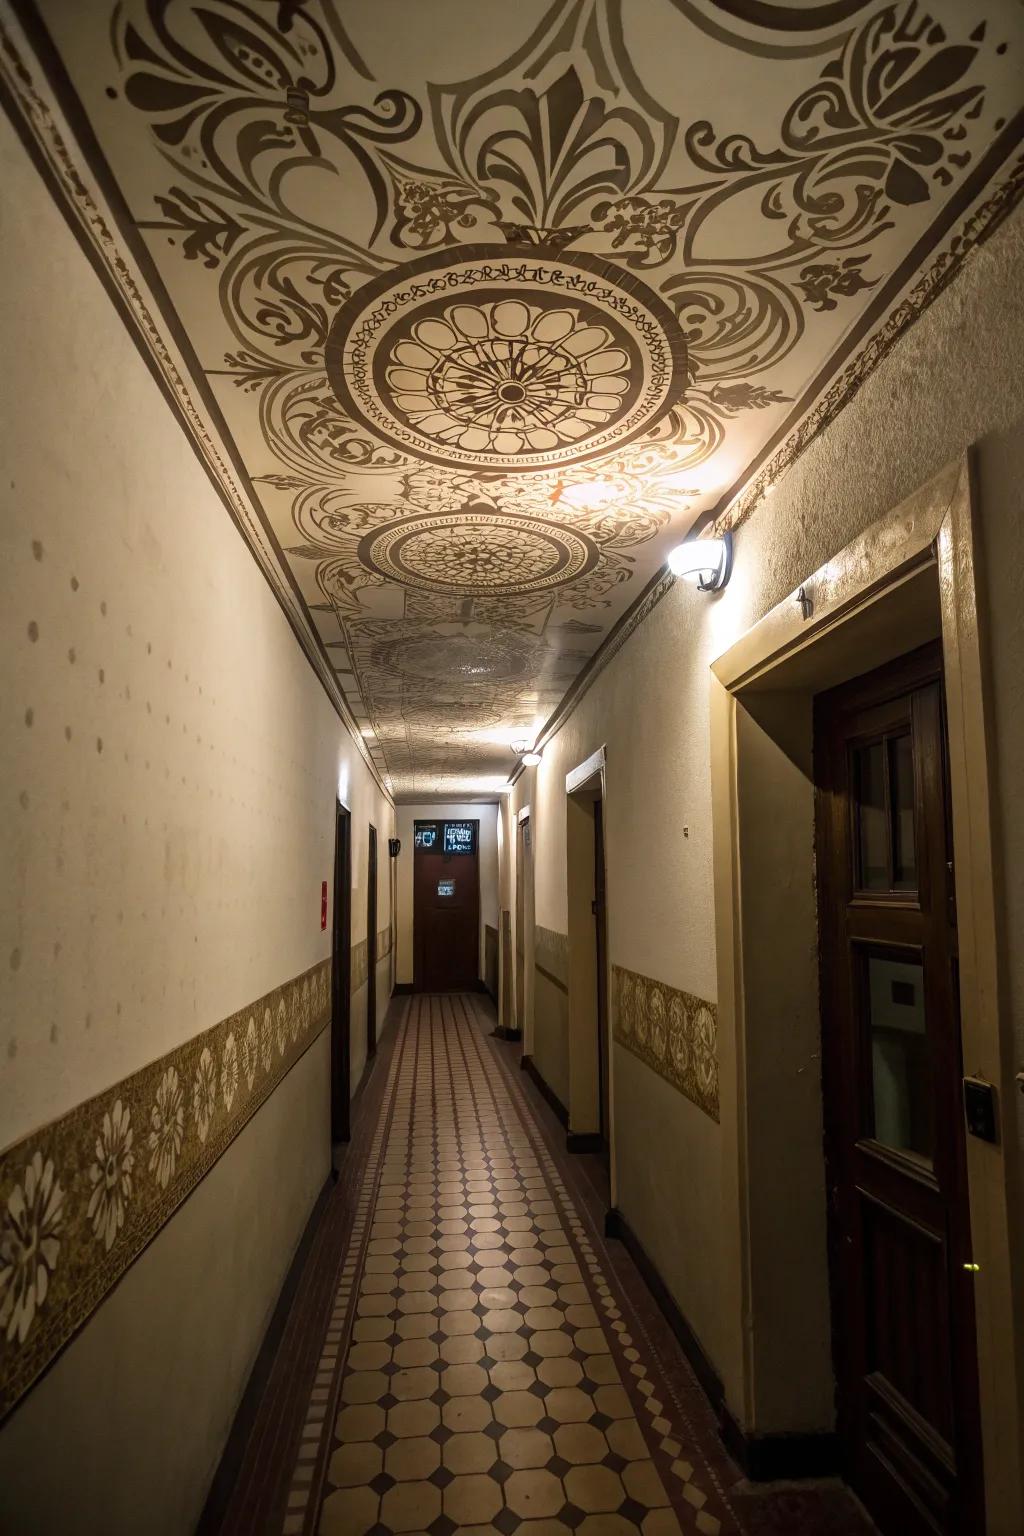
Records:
x=478, y=1373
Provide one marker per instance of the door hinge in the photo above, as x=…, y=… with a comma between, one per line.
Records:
x=593, y=906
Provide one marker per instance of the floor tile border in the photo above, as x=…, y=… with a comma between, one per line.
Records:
x=306, y=1484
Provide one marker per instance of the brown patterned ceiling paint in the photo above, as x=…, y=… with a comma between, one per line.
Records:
x=289, y=181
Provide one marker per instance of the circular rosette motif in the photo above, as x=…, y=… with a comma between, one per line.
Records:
x=500, y=358
x=657, y=1014
x=478, y=552
x=678, y=1045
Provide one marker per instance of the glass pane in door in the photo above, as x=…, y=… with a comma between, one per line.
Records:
x=901, y=1088
x=872, y=823
x=901, y=796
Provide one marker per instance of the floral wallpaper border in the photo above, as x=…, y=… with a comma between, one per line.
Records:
x=672, y=1032
x=360, y=969
x=82, y=1197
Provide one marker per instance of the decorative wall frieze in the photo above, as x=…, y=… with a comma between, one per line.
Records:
x=672, y=1032
x=82, y=1197
x=551, y=956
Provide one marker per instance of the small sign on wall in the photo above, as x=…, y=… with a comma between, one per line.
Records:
x=323, y=906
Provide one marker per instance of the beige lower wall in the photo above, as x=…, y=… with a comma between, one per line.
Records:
x=551, y=1011
x=124, y=1432
x=658, y=1175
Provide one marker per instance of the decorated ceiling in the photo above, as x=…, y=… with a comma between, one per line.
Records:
x=487, y=306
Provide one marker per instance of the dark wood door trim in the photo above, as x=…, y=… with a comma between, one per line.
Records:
x=341, y=976
x=371, y=943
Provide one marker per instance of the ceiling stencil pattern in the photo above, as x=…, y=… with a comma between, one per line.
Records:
x=496, y=302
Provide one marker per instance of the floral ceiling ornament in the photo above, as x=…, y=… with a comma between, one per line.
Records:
x=442, y=363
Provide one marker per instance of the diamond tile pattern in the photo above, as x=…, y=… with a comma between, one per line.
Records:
x=481, y=1379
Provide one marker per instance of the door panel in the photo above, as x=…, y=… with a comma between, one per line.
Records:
x=903, y=1314
x=371, y=943
x=341, y=962
x=446, y=917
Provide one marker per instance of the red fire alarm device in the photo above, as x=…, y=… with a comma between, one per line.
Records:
x=323, y=906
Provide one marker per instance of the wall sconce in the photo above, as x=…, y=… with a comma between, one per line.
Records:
x=526, y=753
x=394, y=847
x=705, y=562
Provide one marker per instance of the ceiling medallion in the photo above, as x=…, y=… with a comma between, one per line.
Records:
x=504, y=358
x=471, y=553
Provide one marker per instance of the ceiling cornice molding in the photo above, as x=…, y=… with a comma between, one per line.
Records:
x=35, y=96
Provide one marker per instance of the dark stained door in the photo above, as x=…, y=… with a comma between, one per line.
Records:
x=341, y=971
x=903, y=1306
x=522, y=858
x=446, y=919
x=600, y=948
x=371, y=944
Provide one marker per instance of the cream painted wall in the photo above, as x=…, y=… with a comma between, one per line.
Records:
x=406, y=815
x=168, y=769
x=953, y=380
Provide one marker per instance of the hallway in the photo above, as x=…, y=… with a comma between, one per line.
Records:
x=511, y=723
x=483, y=1359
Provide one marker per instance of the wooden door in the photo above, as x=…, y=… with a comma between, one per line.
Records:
x=446, y=916
x=371, y=944
x=600, y=946
x=341, y=971
x=522, y=835
x=903, y=1307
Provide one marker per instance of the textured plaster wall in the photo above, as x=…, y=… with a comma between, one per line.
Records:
x=953, y=380
x=406, y=816
x=168, y=772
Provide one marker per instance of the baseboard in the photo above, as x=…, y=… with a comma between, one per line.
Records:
x=616, y=1225
x=529, y=1066
x=763, y=1458
x=226, y=1475
x=584, y=1141
x=769, y=1458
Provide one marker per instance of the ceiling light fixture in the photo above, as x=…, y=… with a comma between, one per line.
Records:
x=526, y=753
x=707, y=563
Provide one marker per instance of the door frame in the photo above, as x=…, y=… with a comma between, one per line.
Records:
x=908, y=578
x=341, y=977
x=588, y=1066
x=372, y=867
x=524, y=924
